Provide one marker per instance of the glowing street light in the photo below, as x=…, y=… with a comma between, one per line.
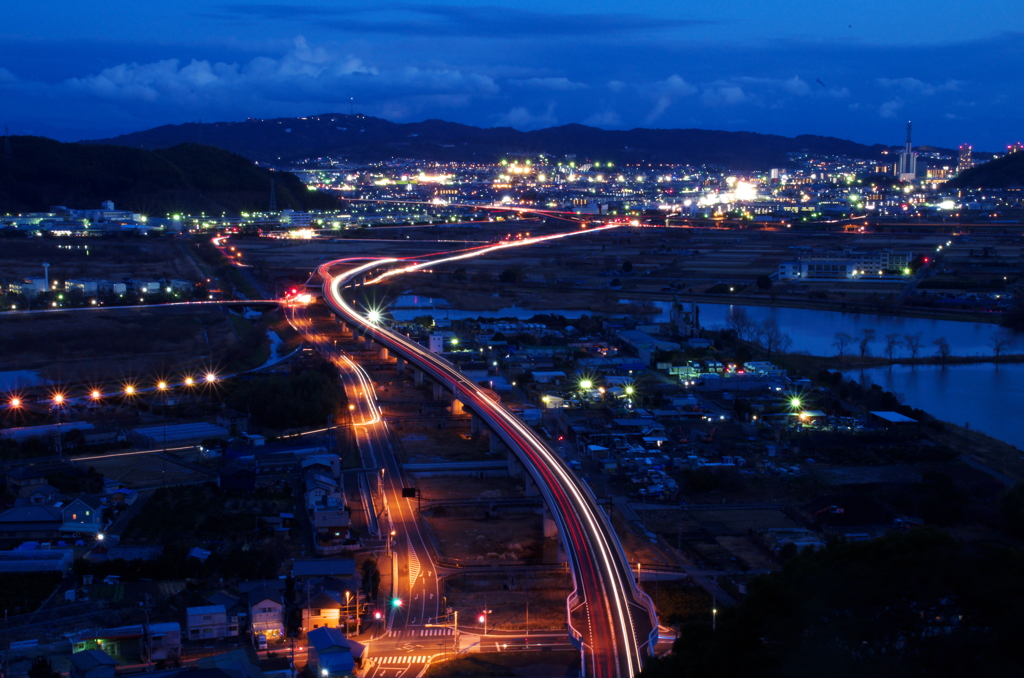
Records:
x=162, y=386
x=374, y=316
x=629, y=390
x=586, y=384
x=58, y=399
x=189, y=381
x=15, y=402
x=795, y=403
x=95, y=395
x=129, y=390
x=210, y=377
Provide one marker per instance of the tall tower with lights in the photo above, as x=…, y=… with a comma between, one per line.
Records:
x=908, y=159
x=965, y=158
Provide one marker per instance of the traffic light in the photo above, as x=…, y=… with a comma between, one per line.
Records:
x=396, y=602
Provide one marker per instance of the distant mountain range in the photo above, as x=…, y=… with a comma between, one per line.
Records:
x=362, y=138
x=187, y=178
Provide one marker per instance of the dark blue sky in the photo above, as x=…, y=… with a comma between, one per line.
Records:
x=852, y=69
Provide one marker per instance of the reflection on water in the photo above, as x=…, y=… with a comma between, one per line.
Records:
x=812, y=331
x=985, y=396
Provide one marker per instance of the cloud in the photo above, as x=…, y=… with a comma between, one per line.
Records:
x=890, y=108
x=7, y=77
x=521, y=118
x=304, y=73
x=556, y=84
x=616, y=85
x=664, y=92
x=728, y=95
x=915, y=86
x=606, y=118
x=474, y=21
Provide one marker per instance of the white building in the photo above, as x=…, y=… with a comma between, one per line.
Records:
x=211, y=621
x=847, y=264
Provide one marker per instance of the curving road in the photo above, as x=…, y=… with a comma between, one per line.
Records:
x=610, y=619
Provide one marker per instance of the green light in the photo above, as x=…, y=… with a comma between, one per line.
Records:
x=586, y=383
x=795, y=402
x=396, y=602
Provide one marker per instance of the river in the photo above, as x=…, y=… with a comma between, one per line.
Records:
x=812, y=331
x=985, y=395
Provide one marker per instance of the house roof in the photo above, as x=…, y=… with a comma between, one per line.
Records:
x=93, y=502
x=233, y=469
x=263, y=593
x=90, y=659
x=206, y=609
x=324, y=567
x=322, y=600
x=24, y=473
x=325, y=638
x=32, y=514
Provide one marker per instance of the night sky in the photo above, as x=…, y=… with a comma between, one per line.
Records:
x=852, y=69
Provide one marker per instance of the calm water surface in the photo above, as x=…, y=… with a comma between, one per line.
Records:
x=987, y=396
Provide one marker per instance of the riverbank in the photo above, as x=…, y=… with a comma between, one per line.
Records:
x=810, y=363
x=485, y=297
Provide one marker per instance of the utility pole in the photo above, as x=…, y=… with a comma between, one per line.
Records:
x=148, y=638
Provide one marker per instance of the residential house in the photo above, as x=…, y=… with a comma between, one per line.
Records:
x=266, y=611
x=305, y=569
x=234, y=421
x=234, y=477
x=321, y=609
x=92, y=664
x=330, y=528
x=210, y=621
x=332, y=655
x=165, y=641
x=83, y=516
x=31, y=522
x=39, y=494
x=19, y=478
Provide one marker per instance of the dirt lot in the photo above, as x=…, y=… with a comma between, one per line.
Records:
x=425, y=443
x=452, y=487
x=509, y=665
x=477, y=533
x=146, y=470
x=507, y=595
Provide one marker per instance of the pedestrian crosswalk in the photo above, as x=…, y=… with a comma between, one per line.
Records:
x=405, y=659
x=419, y=633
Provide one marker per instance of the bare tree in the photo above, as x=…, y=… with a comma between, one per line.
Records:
x=913, y=342
x=866, y=337
x=942, y=348
x=785, y=343
x=892, y=342
x=741, y=323
x=1000, y=342
x=841, y=342
x=770, y=335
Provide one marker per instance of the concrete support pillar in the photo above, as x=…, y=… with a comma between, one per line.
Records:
x=476, y=425
x=400, y=365
x=438, y=391
x=550, y=526
x=458, y=407
x=497, y=447
x=417, y=377
x=383, y=353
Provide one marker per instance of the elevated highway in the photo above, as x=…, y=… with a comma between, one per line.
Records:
x=612, y=622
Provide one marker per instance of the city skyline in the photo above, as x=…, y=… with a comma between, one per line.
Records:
x=856, y=74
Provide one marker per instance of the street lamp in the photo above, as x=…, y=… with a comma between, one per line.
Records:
x=15, y=402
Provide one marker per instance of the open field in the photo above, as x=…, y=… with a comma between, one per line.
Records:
x=440, y=487
x=105, y=258
x=478, y=533
x=556, y=664
x=506, y=594
x=146, y=470
x=107, y=345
